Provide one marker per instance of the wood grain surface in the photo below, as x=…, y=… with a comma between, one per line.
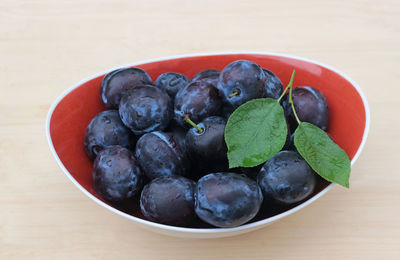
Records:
x=46, y=46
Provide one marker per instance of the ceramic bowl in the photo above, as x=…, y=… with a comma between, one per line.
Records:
x=71, y=113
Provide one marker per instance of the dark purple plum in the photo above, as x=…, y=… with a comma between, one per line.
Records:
x=311, y=106
x=273, y=85
x=227, y=110
x=106, y=129
x=250, y=172
x=215, y=119
x=171, y=83
x=206, y=74
x=196, y=101
x=240, y=82
x=290, y=119
x=289, y=145
x=158, y=154
x=227, y=199
x=208, y=147
x=145, y=109
x=169, y=200
x=117, y=83
x=179, y=134
x=211, y=76
x=289, y=136
x=116, y=175
x=286, y=178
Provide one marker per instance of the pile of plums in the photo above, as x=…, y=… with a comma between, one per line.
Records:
x=165, y=141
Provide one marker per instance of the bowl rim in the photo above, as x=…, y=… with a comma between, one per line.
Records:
x=252, y=225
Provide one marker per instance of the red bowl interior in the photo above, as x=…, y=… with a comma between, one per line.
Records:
x=75, y=110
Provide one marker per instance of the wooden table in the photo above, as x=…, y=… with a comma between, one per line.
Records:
x=46, y=46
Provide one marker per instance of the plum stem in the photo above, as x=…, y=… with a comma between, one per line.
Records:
x=235, y=93
x=291, y=99
x=190, y=122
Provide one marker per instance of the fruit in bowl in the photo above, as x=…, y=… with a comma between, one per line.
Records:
x=69, y=118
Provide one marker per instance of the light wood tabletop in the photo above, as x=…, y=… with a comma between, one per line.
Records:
x=46, y=46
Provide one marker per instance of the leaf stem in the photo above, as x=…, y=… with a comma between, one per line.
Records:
x=291, y=100
x=289, y=86
x=190, y=122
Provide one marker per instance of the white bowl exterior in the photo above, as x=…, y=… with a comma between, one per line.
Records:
x=205, y=232
x=204, y=235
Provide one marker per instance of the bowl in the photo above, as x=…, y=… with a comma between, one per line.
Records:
x=72, y=111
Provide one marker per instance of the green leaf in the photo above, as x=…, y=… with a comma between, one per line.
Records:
x=254, y=132
x=322, y=154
